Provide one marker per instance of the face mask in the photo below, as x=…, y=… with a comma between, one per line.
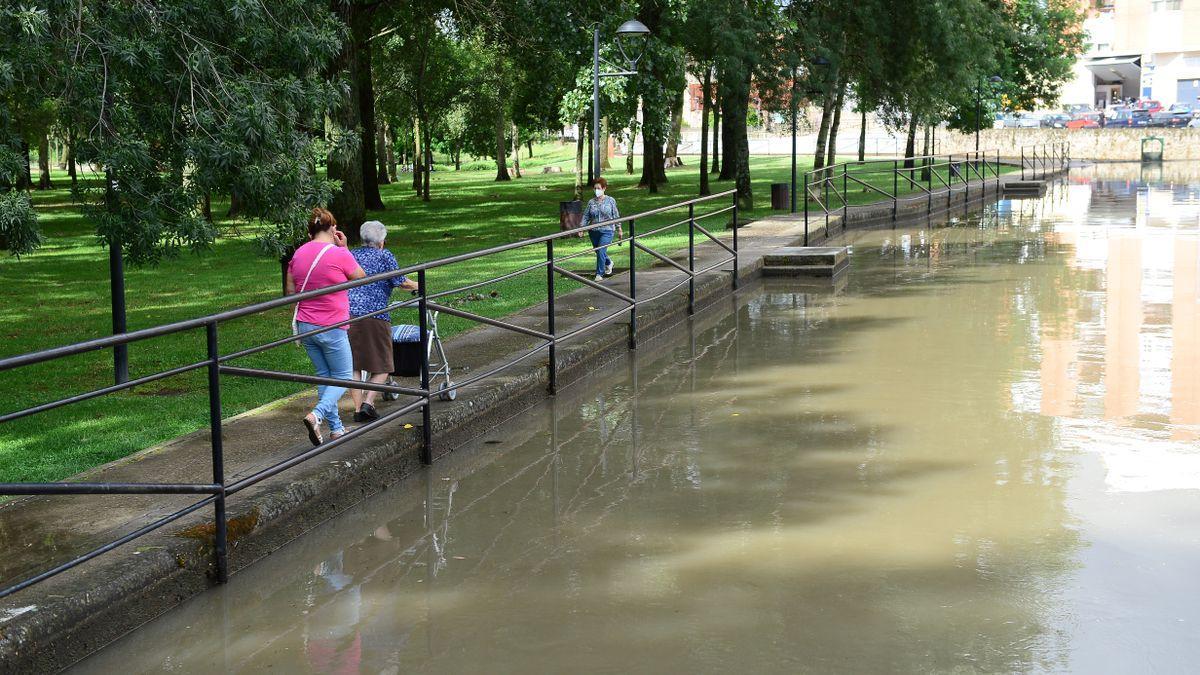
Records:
x=599, y=192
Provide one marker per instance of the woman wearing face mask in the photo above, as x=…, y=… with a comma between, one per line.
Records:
x=599, y=210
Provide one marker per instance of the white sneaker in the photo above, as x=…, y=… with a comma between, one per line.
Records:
x=608, y=268
x=599, y=277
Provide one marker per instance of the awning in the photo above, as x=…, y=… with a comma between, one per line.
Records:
x=1116, y=68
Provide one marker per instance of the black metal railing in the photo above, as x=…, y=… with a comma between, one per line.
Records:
x=217, y=364
x=917, y=175
x=1041, y=159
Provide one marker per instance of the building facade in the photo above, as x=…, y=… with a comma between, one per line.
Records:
x=1146, y=49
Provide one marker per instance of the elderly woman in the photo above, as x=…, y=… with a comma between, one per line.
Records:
x=602, y=208
x=371, y=338
x=324, y=261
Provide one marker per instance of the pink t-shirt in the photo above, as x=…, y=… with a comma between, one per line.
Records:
x=335, y=267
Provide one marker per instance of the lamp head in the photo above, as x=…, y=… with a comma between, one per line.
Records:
x=631, y=40
x=995, y=78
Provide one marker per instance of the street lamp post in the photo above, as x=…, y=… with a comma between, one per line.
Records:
x=979, y=107
x=633, y=34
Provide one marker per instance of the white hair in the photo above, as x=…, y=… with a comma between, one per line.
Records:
x=372, y=232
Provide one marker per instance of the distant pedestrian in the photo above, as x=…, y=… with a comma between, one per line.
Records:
x=371, y=338
x=601, y=209
x=324, y=261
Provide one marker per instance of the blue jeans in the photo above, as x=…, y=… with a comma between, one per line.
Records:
x=330, y=354
x=602, y=237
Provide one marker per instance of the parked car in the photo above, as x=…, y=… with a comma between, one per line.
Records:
x=1129, y=118
x=1084, y=120
x=1055, y=121
x=1178, y=115
x=1149, y=105
x=1022, y=120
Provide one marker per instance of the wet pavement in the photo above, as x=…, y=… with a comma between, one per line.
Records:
x=981, y=454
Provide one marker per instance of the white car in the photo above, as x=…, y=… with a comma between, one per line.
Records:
x=1022, y=120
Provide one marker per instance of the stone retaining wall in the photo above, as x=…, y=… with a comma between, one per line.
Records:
x=1096, y=144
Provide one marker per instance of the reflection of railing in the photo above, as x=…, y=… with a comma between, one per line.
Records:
x=1044, y=158
x=915, y=174
x=217, y=364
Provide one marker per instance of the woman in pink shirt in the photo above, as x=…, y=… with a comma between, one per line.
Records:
x=324, y=261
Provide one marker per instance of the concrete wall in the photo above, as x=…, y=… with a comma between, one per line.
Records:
x=1095, y=144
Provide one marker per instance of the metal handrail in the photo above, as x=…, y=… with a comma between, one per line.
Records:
x=217, y=364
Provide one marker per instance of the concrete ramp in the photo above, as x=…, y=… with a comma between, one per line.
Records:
x=806, y=261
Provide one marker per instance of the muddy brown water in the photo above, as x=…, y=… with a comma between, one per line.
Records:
x=981, y=454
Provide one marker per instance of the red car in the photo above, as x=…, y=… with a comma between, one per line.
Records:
x=1084, y=120
x=1148, y=105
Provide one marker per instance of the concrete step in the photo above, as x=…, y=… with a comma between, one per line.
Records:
x=811, y=271
x=805, y=256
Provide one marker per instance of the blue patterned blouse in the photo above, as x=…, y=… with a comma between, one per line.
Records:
x=600, y=210
x=376, y=296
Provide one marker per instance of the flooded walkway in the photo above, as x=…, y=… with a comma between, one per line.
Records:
x=982, y=454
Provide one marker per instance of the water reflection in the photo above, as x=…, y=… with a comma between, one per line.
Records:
x=917, y=473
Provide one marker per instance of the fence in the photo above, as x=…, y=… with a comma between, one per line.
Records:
x=1040, y=159
x=217, y=364
x=914, y=173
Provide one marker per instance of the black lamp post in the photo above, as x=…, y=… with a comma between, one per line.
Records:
x=631, y=40
x=819, y=61
x=979, y=106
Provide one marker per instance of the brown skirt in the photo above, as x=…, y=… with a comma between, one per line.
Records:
x=371, y=344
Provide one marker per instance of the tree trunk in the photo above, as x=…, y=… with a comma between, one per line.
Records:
x=745, y=192
x=516, y=150
x=716, y=130
x=831, y=157
x=44, y=163
x=579, y=161
x=372, y=200
x=862, y=135
x=235, y=206
x=71, y=168
x=501, y=147
x=391, y=152
x=417, y=155
x=672, y=152
x=910, y=147
x=428, y=161
x=381, y=163
x=633, y=130
x=728, y=146
x=651, y=156
x=823, y=132
x=206, y=208
x=347, y=205
x=457, y=159
x=529, y=146
x=704, y=108
x=62, y=154
x=925, y=163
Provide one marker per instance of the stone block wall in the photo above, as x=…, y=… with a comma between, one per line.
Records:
x=1096, y=144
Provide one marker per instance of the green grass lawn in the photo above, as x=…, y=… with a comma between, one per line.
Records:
x=59, y=295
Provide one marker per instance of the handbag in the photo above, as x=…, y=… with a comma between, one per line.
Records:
x=296, y=308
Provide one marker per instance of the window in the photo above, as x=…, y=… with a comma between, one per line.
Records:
x=1105, y=4
x=1165, y=5
x=1103, y=47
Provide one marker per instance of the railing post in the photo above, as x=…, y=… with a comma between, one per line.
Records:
x=1022, y=162
x=220, y=533
x=633, y=284
x=692, y=254
x=426, y=414
x=735, y=239
x=895, y=187
x=845, y=196
x=553, y=361
x=806, y=208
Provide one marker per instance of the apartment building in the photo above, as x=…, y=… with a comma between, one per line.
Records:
x=1139, y=49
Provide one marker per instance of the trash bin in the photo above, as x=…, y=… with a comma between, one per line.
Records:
x=570, y=214
x=780, y=196
x=1152, y=149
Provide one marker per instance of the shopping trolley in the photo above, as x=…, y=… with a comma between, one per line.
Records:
x=406, y=356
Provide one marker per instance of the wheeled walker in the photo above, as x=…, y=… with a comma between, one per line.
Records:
x=406, y=356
